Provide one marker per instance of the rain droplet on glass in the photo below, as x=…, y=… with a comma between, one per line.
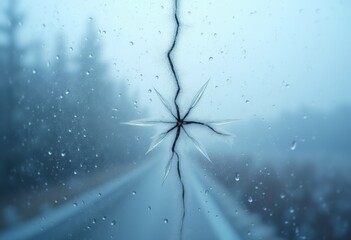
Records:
x=237, y=177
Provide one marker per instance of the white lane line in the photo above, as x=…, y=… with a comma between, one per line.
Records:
x=50, y=219
x=220, y=226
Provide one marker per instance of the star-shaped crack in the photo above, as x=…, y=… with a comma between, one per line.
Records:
x=179, y=124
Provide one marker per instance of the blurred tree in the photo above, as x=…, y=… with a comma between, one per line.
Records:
x=91, y=94
x=12, y=68
x=60, y=117
x=101, y=103
x=22, y=84
x=56, y=115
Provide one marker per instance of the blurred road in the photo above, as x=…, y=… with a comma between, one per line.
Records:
x=138, y=206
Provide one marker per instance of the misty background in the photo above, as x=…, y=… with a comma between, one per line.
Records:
x=71, y=72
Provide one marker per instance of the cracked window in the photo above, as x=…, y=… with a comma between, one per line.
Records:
x=247, y=106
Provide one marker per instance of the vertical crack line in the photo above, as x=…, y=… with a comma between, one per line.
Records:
x=174, y=152
x=179, y=120
x=170, y=58
x=183, y=196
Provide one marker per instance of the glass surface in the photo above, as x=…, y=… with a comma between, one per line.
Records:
x=254, y=145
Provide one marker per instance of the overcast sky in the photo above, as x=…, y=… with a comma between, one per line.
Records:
x=262, y=57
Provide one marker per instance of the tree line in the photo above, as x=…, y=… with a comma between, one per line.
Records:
x=61, y=116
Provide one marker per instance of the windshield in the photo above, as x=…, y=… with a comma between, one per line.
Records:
x=175, y=119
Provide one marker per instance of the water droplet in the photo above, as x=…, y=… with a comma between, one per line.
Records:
x=131, y=43
x=210, y=58
x=75, y=204
x=63, y=154
x=50, y=153
x=282, y=196
x=250, y=200
x=34, y=71
x=237, y=177
x=134, y=192
x=67, y=92
x=71, y=49
x=149, y=208
x=207, y=191
x=247, y=101
x=248, y=233
x=87, y=73
x=104, y=218
x=113, y=222
x=57, y=57
x=90, y=55
x=165, y=220
x=293, y=146
x=157, y=77
x=94, y=221
x=75, y=172
x=149, y=90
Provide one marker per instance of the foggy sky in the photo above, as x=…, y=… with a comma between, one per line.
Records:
x=261, y=57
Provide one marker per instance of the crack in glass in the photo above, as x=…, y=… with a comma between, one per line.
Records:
x=179, y=123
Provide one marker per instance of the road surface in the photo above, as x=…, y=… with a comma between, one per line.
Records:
x=138, y=206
